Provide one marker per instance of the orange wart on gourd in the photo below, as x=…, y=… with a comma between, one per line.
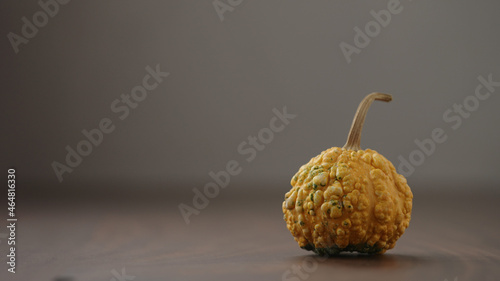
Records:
x=349, y=199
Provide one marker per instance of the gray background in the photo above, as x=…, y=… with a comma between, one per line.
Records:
x=226, y=77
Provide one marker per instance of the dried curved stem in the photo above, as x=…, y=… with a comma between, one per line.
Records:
x=354, y=138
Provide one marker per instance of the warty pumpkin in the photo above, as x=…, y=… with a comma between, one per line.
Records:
x=348, y=199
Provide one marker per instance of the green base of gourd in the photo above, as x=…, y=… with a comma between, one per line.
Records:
x=334, y=251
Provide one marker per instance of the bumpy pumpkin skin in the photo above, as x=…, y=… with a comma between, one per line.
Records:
x=346, y=200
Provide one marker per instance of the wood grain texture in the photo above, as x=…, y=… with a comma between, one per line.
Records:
x=453, y=234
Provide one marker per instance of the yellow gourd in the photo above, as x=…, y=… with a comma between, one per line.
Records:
x=348, y=199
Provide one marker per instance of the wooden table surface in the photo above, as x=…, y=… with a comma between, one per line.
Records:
x=241, y=235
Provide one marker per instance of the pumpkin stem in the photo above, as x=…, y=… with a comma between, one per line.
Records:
x=354, y=138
